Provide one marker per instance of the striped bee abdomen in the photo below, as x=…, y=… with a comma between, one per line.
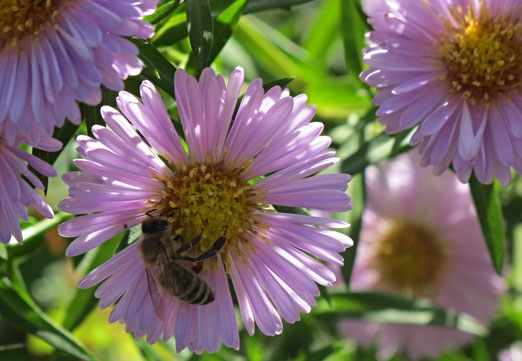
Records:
x=185, y=284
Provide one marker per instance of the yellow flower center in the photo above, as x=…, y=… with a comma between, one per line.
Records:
x=210, y=200
x=409, y=258
x=483, y=54
x=20, y=19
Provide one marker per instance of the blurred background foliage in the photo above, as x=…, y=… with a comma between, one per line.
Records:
x=313, y=47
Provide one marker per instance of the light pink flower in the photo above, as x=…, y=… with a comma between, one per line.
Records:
x=54, y=53
x=454, y=69
x=420, y=238
x=223, y=185
x=16, y=194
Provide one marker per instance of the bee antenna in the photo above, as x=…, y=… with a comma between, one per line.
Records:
x=165, y=212
x=148, y=213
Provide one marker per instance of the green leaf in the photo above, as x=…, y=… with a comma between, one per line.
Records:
x=175, y=29
x=322, y=33
x=293, y=210
x=279, y=82
x=256, y=5
x=224, y=25
x=200, y=30
x=489, y=211
x=353, y=37
x=91, y=115
x=358, y=191
x=325, y=294
x=275, y=53
x=83, y=301
x=26, y=316
x=162, y=12
x=385, y=308
x=3, y=252
x=146, y=351
x=259, y=5
x=158, y=69
x=380, y=147
x=32, y=235
x=172, y=31
x=357, y=188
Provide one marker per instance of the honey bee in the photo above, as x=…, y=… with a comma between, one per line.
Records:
x=164, y=275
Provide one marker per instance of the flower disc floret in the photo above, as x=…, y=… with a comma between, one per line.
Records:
x=209, y=200
x=482, y=54
x=20, y=19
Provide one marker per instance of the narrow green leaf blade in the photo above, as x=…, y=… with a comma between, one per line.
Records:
x=489, y=211
x=358, y=191
x=28, y=317
x=385, y=308
x=158, y=69
x=322, y=32
x=259, y=5
x=353, y=37
x=224, y=26
x=146, y=351
x=162, y=12
x=172, y=31
x=200, y=29
x=279, y=82
x=380, y=147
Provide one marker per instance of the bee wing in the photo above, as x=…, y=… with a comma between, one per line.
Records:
x=155, y=293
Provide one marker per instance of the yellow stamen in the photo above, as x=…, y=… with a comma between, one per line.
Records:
x=210, y=200
x=23, y=19
x=483, y=53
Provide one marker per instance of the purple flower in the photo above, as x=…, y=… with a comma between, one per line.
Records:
x=454, y=68
x=514, y=353
x=420, y=238
x=56, y=52
x=15, y=192
x=222, y=185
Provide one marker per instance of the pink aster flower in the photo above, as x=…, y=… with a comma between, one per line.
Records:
x=223, y=185
x=56, y=52
x=15, y=192
x=420, y=238
x=454, y=68
x=514, y=353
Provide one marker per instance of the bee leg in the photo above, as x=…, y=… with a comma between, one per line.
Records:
x=186, y=246
x=210, y=253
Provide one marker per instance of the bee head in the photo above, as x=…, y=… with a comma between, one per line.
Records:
x=155, y=225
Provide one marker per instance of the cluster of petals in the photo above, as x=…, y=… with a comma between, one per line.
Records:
x=400, y=190
x=16, y=194
x=413, y=90
x=43, y=76
x=275, y=277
